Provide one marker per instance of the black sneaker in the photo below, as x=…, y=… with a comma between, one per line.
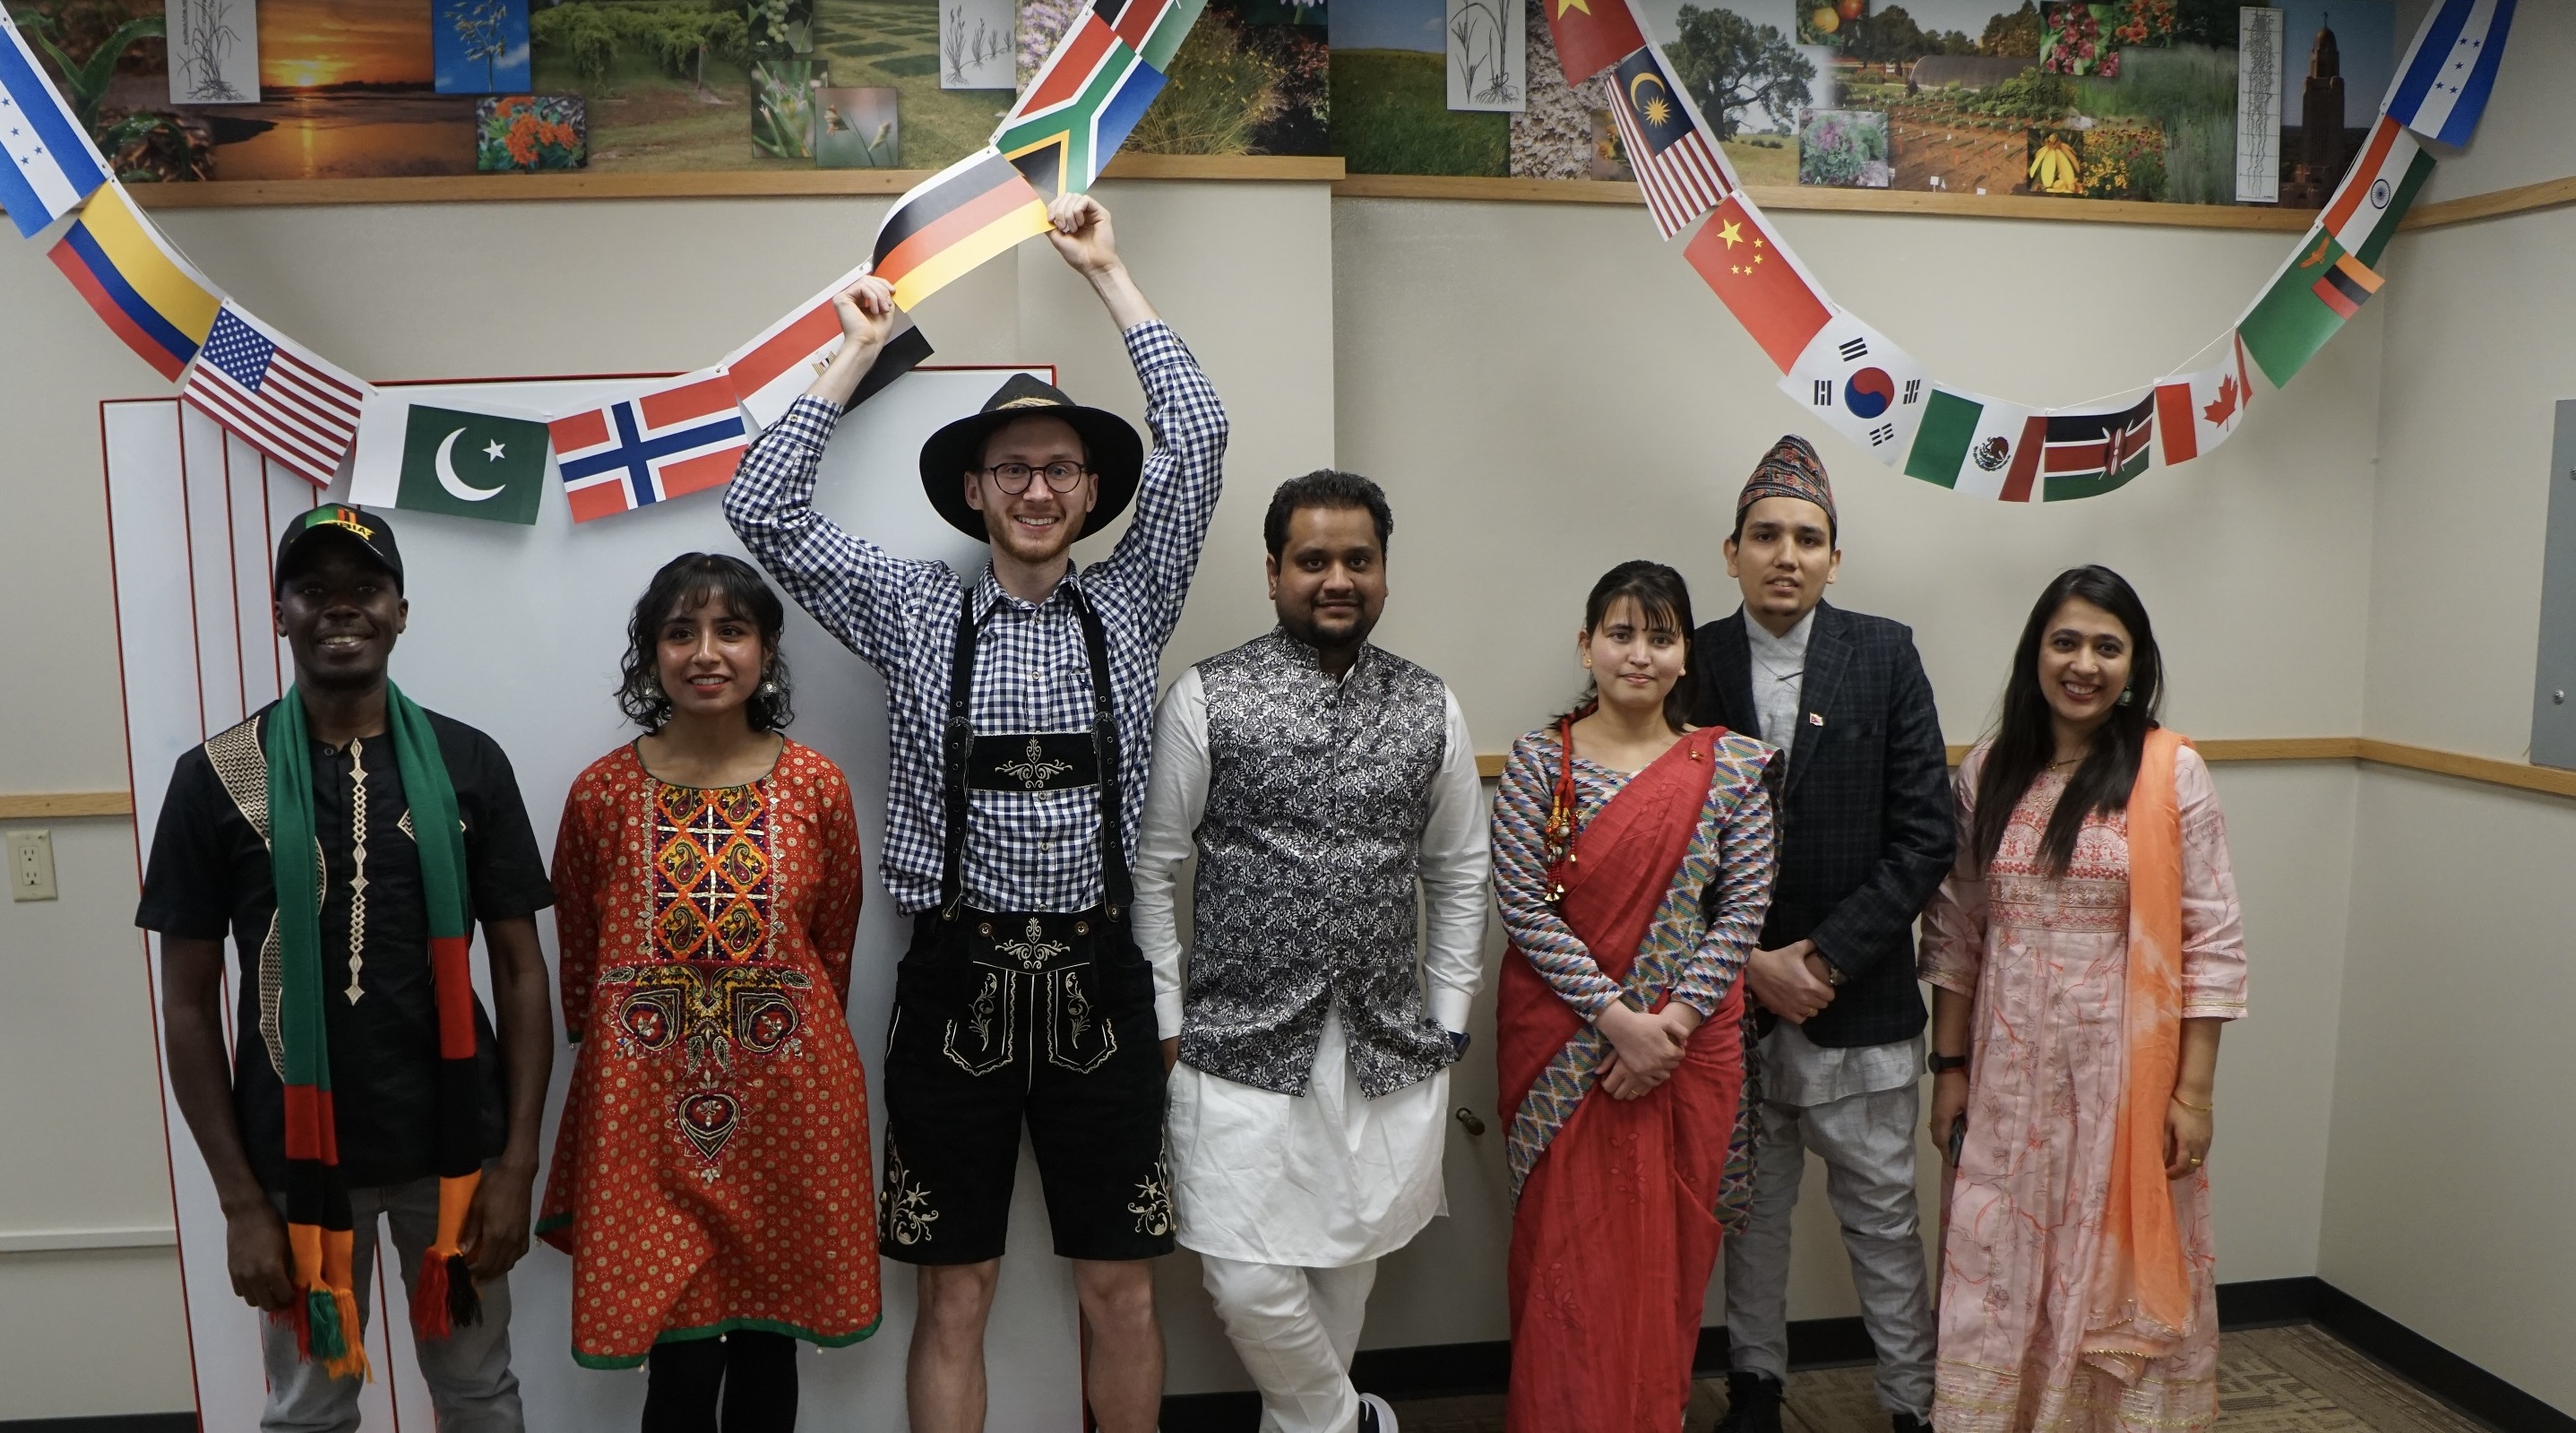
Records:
x=1907, y=1423
x=1752, y=1403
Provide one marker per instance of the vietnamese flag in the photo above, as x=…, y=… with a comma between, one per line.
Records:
x=1757, y=279
x=1591, y=35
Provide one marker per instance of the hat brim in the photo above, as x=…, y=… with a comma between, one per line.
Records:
x=1111, y=447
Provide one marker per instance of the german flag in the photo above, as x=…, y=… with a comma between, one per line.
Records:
x=974, y=210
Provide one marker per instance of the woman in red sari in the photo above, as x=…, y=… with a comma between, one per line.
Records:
x=1633, y=860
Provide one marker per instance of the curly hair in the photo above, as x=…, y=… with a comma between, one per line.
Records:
x=686, y=583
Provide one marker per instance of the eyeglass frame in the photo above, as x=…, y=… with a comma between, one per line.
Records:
x=1033, y=473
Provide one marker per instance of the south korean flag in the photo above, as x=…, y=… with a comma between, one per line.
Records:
x=1864, y=387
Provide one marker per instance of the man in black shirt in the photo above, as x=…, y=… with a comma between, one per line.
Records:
x=339, y=605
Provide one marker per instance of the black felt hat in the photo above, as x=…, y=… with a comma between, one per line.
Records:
x=1110, y=446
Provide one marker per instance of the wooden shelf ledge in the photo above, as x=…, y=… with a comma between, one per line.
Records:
x=687, y=184
x=56, y=805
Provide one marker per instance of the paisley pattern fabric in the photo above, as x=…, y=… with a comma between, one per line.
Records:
x=712, y=1167
x=1309, y=851
x=2046, y=959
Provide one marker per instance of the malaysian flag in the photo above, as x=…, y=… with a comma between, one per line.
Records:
x=675, y=440
x=1676, y=163
x=264, y=390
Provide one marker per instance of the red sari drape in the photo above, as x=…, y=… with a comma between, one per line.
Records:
x=1616, y=1231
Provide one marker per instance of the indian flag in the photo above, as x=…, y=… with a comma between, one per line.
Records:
x=2306, y=304
x=2376, y=191
x=1982, y=447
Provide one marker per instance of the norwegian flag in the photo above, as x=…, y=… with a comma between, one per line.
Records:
x=1680, y=168
x=294, y=407
x=684, y=438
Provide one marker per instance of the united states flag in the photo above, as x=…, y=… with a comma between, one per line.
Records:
x=679, y=439
x=294, y=407
x=1676, y=161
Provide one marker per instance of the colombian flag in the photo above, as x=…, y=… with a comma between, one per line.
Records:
x=938, y=232
x=149, y=295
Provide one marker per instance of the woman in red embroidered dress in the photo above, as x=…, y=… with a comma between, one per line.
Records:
x=711, y=1178
x=1633, y=862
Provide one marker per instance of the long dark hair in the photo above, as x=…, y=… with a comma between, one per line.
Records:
x=1663, y=599
x=2024, y=743
x=685, y=583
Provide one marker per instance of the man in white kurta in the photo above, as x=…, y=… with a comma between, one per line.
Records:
x=1328, y=790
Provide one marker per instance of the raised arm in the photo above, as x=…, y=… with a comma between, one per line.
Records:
x=1520, y=885
x=1869, y=925
x=853, y=587
x=1457, y=865
x=1175, y=797
x=1178, y=491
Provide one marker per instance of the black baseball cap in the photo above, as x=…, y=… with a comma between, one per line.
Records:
x=335, y=520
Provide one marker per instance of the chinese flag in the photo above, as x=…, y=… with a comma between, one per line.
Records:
x=1591, y=35
x=1757, y=280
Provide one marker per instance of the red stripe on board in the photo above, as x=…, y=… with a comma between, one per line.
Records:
x=955, y=225
x=706, y=398
x=581, y=430
x=67, y=259
x=696, y=475
x=451, y=972
x=2173, y=415
x=2025, y=469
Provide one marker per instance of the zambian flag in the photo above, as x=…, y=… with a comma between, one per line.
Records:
x=2308, y=302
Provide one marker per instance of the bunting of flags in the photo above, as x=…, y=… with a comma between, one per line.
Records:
x=1856, y=381
x=688, y=436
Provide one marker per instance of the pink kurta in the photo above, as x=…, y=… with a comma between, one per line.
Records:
x=2047, y=963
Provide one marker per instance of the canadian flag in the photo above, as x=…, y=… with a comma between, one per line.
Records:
x=2196, y=411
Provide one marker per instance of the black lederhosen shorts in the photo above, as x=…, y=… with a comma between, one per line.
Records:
x=1046, y=1020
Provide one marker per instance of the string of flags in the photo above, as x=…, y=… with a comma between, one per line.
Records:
x=1864, y=386
x=665, y=440
x=687, y=435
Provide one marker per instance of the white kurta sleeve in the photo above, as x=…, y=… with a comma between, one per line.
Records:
x=1175, y=797
x=1457, y=868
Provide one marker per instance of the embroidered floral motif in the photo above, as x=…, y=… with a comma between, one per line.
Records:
x=1034, y=771
x=1033, y=950
x=908, y=1215
x=1152, y=1205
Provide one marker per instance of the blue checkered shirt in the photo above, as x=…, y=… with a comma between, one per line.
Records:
x=1025, y=851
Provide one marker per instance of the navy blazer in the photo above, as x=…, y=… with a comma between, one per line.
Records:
x=1866, y=827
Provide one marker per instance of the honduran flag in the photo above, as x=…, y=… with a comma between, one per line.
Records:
x=680, y=439
x=2450, y=69
x=47, y=166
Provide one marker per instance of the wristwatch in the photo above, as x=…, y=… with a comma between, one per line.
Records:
x=1938, y=1064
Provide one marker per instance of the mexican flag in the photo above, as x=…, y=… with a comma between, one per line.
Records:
x=1978, y=446
x=2321, y=286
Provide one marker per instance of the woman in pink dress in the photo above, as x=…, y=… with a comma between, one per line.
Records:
x=2083, y=954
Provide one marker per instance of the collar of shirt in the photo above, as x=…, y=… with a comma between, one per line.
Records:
x=991, y=595
x=1313, y=656
x=1786, y=653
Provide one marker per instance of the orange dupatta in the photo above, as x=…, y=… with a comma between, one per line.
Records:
x=2142, y=1302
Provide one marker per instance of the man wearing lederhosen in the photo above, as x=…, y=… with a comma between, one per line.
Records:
x=1021, y=724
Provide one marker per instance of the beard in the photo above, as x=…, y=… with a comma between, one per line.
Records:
x=1305, y=628
x=1031, y=547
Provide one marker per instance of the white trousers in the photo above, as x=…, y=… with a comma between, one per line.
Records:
x=1295, y=1330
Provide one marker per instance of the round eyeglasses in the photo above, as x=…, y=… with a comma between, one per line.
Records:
x=1013, y=478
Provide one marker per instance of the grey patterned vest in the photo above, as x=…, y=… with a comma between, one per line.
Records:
x=1308, y=853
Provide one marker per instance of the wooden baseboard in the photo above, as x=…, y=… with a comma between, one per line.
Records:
x=45, y=805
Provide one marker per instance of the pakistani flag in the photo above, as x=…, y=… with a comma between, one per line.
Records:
x=463, y=462
x=2321, y=286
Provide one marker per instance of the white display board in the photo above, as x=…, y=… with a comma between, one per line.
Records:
x=519, y=631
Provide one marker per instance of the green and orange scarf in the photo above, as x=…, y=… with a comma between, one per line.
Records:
x=318, y=1219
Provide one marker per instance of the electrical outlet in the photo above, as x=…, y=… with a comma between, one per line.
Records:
x=31, y=865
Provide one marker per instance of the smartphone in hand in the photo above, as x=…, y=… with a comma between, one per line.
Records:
x=1958, y=1137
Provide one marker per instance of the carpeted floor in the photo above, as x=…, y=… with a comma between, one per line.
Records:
x=2283, y=1380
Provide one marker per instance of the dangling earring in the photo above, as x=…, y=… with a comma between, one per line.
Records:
x=2127, y=695
x=769, y=686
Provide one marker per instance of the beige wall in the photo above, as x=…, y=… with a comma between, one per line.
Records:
x=1545, y=390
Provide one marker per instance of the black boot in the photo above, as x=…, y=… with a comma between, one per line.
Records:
x=1752, y=1403
x=1908, y=1423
